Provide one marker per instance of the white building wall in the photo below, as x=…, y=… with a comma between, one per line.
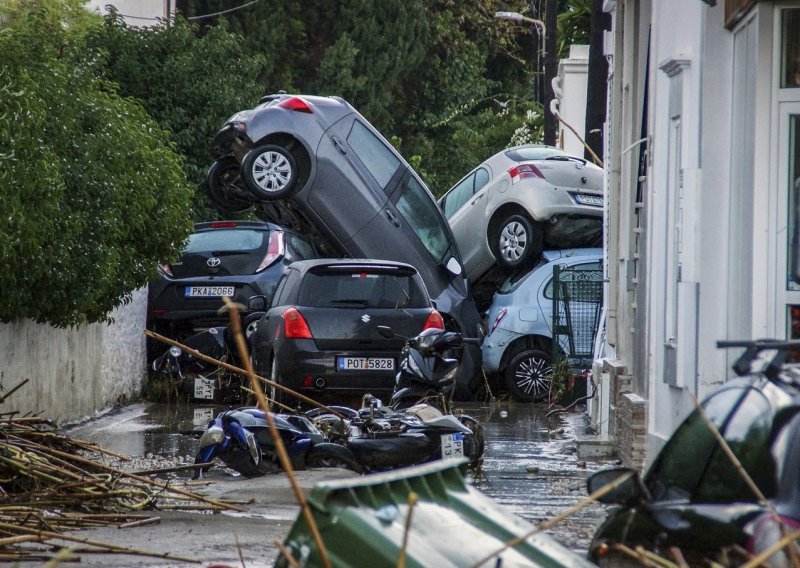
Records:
x=573, y=78
x=76, y=372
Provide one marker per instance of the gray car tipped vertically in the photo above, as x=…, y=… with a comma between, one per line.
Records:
x=316, y=165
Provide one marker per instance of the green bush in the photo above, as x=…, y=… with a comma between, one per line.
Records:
x=92, y=191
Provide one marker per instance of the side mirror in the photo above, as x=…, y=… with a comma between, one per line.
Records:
x=628, y=492
x=257, y=304
x=453, y=266
x=385, y=331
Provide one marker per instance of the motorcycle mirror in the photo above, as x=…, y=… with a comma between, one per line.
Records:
x=385, y=331
x=257, y=303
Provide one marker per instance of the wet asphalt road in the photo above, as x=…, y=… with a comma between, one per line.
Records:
x=528, y=467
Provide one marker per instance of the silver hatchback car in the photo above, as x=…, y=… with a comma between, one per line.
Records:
x=519, y=345
x=521, y=201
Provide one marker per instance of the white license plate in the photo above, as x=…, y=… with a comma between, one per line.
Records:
x=452, y=446
x=204, y=388
x=208, y=291
x=365, y=364
x=595, y=200
x=202, y=416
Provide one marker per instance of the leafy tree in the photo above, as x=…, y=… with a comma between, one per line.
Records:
x=92, y=191
x=189, y=83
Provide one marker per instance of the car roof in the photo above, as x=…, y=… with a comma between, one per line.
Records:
x=306, y=265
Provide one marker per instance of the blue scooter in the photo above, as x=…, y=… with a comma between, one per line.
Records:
x=241, y=439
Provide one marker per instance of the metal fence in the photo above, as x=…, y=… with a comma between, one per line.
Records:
x=577, y=299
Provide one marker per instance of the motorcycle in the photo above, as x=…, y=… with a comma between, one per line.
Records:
x=184, y=373
x=418, y=425
x=241, y=439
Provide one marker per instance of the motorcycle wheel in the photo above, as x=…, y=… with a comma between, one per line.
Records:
x=332, y=455
x=477, y=432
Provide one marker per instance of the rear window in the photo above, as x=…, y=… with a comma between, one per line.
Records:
x=220, y=240
x=524, y=154
x=361, y=289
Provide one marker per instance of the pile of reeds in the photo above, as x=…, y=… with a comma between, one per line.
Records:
x=51, y=485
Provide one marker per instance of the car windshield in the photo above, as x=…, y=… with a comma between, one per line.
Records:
x=222, y=240
x=363, y=289
x=423, y=216
x=534, y=153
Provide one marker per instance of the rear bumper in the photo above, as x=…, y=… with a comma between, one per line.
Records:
x=298, y=359
x=494, y=346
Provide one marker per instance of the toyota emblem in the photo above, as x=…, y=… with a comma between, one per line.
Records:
x=365, y=318
x=213, y=261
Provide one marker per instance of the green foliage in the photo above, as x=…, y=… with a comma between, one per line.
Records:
x=93, y=193
x=190, y=84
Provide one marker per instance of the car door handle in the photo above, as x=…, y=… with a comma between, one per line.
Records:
x=478, y=198
x=338, y=144
x=393, y=218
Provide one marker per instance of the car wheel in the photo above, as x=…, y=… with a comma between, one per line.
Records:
x=529, y=375
x=332, y=455
x=225, y=189
x=270, y=172
x=517, y=242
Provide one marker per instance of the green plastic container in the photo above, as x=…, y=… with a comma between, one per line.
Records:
x=362, y=523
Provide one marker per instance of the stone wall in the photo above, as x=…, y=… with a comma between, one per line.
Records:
x=74, y=373
x=631, y=430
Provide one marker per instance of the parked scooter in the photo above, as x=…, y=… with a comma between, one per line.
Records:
x=198, y=379
x=418, y=425
x=241, y=439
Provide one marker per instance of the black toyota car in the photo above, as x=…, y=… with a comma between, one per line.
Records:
x=320, y=335
x=238, y=259
x=317, y=165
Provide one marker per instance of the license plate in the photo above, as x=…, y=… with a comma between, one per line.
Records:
x=452, y=446
x=202, y=416
x=204, y=388
x=365, y=364
x=208, y=291
x=595, y=200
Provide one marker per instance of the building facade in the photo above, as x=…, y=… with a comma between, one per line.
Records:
x=702, y=135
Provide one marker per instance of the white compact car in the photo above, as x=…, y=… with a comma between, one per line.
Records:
x=521, y=201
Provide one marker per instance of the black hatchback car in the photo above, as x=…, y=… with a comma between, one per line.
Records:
x=320, y=335
x=693, y=497
x=238, y=259
x=315, y=164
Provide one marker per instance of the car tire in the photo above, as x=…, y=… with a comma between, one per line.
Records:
x=529, y=375
x=270, y=172
x=225, y=189
x=332, y=455
x=517, y=242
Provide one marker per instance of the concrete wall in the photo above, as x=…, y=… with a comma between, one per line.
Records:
x=74, y=373
x=573, y=74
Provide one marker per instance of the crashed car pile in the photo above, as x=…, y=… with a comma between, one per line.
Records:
x=351, y=242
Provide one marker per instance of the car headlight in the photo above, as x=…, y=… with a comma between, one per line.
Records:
x=212, y=436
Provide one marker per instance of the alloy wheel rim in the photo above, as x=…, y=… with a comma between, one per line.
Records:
x=533, y=375
x=272, y=171
x=513, y=240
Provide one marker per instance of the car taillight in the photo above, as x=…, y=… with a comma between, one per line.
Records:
x=434, y=321
x=522, y=171
x=275, y=250
x=295, y=326
x=163, y=267
x=296, y=104
x=223, y=224
x=500, y=315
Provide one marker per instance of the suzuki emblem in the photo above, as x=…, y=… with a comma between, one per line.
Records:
x=213, y=261
x=365, y=318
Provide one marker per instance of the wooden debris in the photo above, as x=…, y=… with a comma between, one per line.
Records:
x=51, y=485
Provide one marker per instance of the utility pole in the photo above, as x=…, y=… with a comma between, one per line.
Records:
x=550, y=69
